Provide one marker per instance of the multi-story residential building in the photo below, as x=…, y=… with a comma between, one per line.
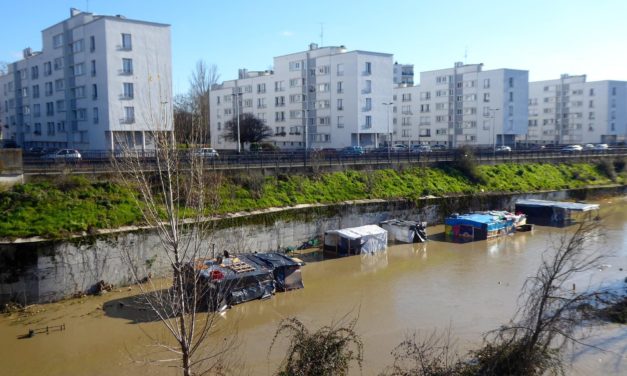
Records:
x=403, y=74
x=322, y=97
x=570, y=110
x=463, y=105
x=97, y=81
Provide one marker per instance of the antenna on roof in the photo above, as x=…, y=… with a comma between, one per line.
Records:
x=321, y=34
x=86, y=5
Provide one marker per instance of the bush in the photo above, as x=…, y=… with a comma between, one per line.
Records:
x=466, y=163
x=607, y=168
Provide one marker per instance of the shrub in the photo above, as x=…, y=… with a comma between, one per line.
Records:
x=607, y=168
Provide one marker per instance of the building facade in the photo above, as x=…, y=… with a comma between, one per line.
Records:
x=98, y=81
x=403, y=74
x=463, y=105
x=570, y=110
x=325, y=97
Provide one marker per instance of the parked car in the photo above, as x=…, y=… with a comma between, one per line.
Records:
x=572, y=149
x=503, y=149
x=588, y=146
x=352, y=150
x=63, y=155
x=399, y=148
x=601, y=147
x=417, y=149
x=206, y=153
x=438, y=147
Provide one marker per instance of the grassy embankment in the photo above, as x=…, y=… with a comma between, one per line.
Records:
x=76, y=205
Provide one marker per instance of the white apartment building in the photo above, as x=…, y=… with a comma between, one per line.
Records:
x=570, y=110
x=98, y=80
x=403, y=74
x=324, y=97
x=463, y=105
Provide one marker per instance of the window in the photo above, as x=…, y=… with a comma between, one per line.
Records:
x=510, y=111
x=26, y=110
x=261, y=102
x=248, y=102
x=406, y=110
x=127, y=66
x=127, y=42
x=323, y=104
x=323, y=87
x=60, y=105
x=48, y=88
x=591, y=92
x=81, y=114
x=57, y=41
x=486, y=97
x=340, y=87
x=406, y=133
x=613, y=91
x=486, y=83
x=49, y=108
x=248, y=89
x=129, y=115
x=406, y=121
x=340, y=121
x=59, y=84
x=93, y=68
x=295, y=82
x=25, y=92
x=424, y=108
x=340, y=104
x=261, y=88
x=279, y=116
x=37, y=129
x=50, y=128
x=511, y=82
x=79, y=92
x=78, y=46
x=128, y=90
x=324, y=120
x=323, y=69
x=296, y=98
x=340, y=69
x=591, y=116
x=92, y=43
x=296, y=65
x=94, y=91
x=34, y=72
x=279, y=101
x=47, y=68
x=79, y=69
x=296, y=114
x=368, y=104
x=58, y=63
x=511, y=96
x=36, y=110
x=368, y=121
x=368, y=68
x=368, y=86
x=278, y=86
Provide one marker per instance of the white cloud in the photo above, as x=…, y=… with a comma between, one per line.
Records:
x=286, y=33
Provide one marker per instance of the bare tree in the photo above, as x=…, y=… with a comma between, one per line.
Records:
x=550, y=313
x=251, y=129
x=200, y=82
x=184, y=117
x=175, y=196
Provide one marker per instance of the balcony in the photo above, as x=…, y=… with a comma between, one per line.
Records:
x=126, y=96
x=366, y=109
x=129, y=120
x=125, y=72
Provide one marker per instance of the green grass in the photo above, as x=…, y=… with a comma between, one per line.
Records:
x=74, y=205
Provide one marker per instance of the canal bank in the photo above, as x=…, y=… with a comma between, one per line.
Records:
x=470, y=288
x=47, y=271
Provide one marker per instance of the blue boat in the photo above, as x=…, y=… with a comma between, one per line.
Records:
x=481, y=225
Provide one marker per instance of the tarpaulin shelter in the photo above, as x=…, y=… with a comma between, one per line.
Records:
x=405, y=231
x=555, y=212
x=478, y=226
x=286, y=270
x=356, y=240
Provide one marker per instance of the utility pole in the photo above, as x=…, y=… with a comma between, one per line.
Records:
x=237, y=96
x=388, y=104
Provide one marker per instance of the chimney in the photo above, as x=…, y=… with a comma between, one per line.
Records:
x=313, y=46
x=74, y=12
x=27, y=52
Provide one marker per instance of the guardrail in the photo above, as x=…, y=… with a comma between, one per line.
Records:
x=102, y=162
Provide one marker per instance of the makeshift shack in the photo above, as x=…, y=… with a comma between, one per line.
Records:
x=478, y=226
x=405, y=231
x=286, y=270
x=356, y=240
x=556, y=213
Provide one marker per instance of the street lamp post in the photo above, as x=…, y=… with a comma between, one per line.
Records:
x=388, y=104
x=237, y=96
x=493, y=128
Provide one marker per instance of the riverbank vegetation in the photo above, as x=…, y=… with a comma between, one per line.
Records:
x=75, y=205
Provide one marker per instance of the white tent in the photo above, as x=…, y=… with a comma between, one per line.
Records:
x=355, y=240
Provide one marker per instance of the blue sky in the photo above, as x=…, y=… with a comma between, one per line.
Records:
x=546, y=37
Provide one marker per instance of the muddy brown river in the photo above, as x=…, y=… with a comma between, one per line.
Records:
x=470, y=288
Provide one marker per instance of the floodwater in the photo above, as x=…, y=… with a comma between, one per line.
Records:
x=469, y=288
